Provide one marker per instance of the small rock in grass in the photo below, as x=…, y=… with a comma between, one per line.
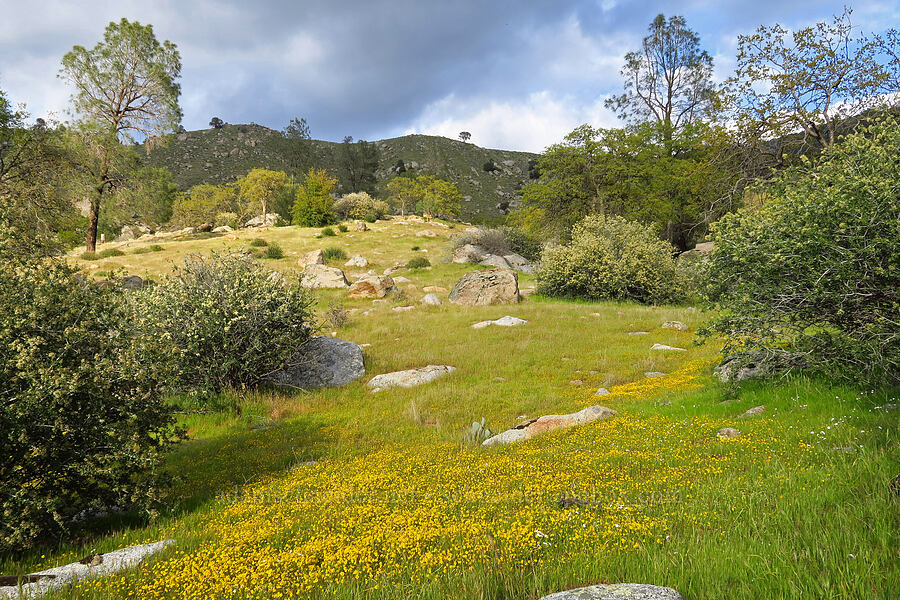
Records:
x=431, y=300
x=756, y=410
x=402, y=308
x=654, y=374
x=665, y=347
x=576, y=382
x=675, y=325
x=408, y=378
x=499, y=378
x=728, y=433
x=601, y=392
x=665, y=403
x=434, y=288
x=637, y=333
x=402, y=279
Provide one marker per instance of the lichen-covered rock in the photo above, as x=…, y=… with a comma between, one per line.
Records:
x=482, y=288
x=357, y=260
x=317, y=276
x=372, y=286
x=431, y=300
x=617, y=591
x=531, y=428
x=469, y=253
x=313, y=257
x=678, y=325
x=506, y=321
x=409, y=378
x=322, y=362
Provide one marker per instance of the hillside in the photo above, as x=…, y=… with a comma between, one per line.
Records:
x=221, y=155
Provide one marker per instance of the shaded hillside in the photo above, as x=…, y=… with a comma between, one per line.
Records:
x=222, y=155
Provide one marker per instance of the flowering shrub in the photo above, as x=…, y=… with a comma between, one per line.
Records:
x=360, y=206
x=611, y=258
x=221, y=321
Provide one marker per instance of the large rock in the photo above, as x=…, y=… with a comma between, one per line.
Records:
x=531, y=428
x=617, y=591
x=357, y=260
x=519, y=263
x=372, y=286
x=481, y=288
x=469, y=253
x=322, y=362
x=322, y=276
x=492, y=260
x=409, y=378
x=223, y=229
x=267, y=220
x=99, y=565
x=313, y=257
x=756, y=364
x=132, y=232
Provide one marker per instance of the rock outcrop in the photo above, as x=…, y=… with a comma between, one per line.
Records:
x=482, y=288
x=531, y=428
x=372, y=286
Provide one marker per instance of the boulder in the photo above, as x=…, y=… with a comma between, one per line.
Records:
x=753, y=412
x=664, y=347
x=675, y=325
x=756, y=364
x=409, y=378
x=431, y=300
x=267, y=220
x=357, y=261
x=361, y=226
x=313, y=257
x=132, y=282
x=727, y=433
x=617, y=591
x=372, y=286
x=323, y=361
x=506, y=321
x=204, y=228
x=223, y=229
x=469, y=253
x=519, y=263
x=318, y=276
x=531, y=428
x=492, y=260
x=482, y=288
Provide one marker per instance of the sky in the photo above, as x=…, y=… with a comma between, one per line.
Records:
x=518, y=75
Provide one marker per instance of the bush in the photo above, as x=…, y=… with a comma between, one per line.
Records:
x=523, y=243
x=334, y=253
x=258, y=243
x=109, y=253
x=415, y=248
x=228, y=219
x=816, y=270
x=419, y=262
x=342, y=228
x=221, y=321
x=502, y=241
x=273, y=251
x=611, y=258
x=360, y=206
x=88, y=256
x=328, y=231
x=81, y=425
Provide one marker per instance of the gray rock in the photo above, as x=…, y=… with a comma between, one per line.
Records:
x=601, y=392
x=361, y=226
x=492, y=260
x=636, y=332
x=756, y=364
x=617, y=591
x=469, y=253
x=223, y=229
x=482, y=288
x=664, y=347
x=377, y=286
x=519, y=263
x=756, y=410
x=322, y=276
x=313, y=257
x=322, y=362
x=431, y=300
x=101, y=565
x=506, y=321
x=267, y=220
x=132, y=282
x=531, y=428
x=728, y=433
x=654, y=374
x=357, y=261
x=675, y=325
x=409, y=378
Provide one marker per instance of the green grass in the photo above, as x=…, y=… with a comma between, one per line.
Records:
x=328, y=231
x=258, y=243
x=334, y=253
x=798, y=507
x=273, y=251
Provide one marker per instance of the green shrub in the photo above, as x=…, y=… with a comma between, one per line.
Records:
x=522, y=243
x=816, y=270
x=155, y=247
x=258, y=243
x=228, y=219
x=273, y=251
x=415, y=248
x=88, y=256
x=334, y=253
x=81, y=424
x=110, y=252
x=611, y=258
x=342, y=228
x=328, y=231
x=419, y=262
x=141, y=250
x=221, y=321
x=361, y=206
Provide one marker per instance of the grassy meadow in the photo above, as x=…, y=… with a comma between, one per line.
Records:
x=341, y=493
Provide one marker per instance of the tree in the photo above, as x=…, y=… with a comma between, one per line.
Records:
x=667, y=81
x=812, y=80
x=260, y=188
x=216, y=123
x=148, y=197
x=438, y=197
x=203, y=203
x=313, y=203
x=465, y=136
x=299, y=148
x=125, y=86
x=404, y=193
x=357, y=165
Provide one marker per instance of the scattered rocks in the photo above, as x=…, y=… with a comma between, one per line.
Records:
x=601, y=392
x=506, y=321
x=97, y=565
x=409, y=378
x=665, y=347
x=756, y=410
x=322, y=362
x=531, y=428
x=469, y=253
x=372, y=286
x=482, y=288
x=617, y=591
x=357, y=261
x=675, y=325
x=727, y=433
x=318, y=276
x=431, y=300
x=314, y=257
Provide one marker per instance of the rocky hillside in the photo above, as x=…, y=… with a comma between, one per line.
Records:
x=222, y=155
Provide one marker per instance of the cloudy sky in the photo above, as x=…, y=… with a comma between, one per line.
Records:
x=517, y=75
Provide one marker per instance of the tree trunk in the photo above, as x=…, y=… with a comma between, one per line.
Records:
x=93, y=218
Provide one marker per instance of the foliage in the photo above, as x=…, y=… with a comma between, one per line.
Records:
x=522, y=243
x=816, y=270
x=81, y=425
x=669, y=80
x=259, y=189
x=404, y=193
x=419, y=262
x=337, y=315
x=146, y=249
x=812, y=79
x=342, y=228
x=273, y=251
x=501, y=241
x=610, y=258
x=221, y=321
x=465, y=136
x=298, y=138
x=489, y=167
x=258, y=243
x=427, y=195
x=203, y=204
x=88, y=256
x=216, y=123
x=357, y=165
x=147, y=196
x=229, y=219
x=109, y=253
x=125, y=85
x=360, y=206
x=334, y=253
x=328, y=232
x=313, y=203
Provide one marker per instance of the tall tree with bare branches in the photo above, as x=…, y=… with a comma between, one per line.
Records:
x=125, y=91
